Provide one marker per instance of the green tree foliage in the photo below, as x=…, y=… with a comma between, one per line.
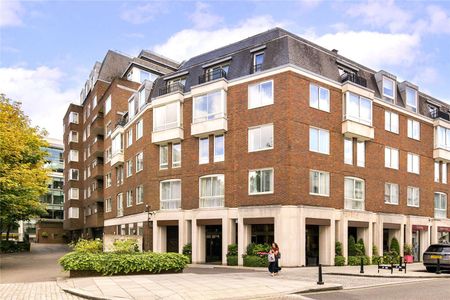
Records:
x=360, y=248
x=23, y=177
x=351, y=246
x=395, y=247
x=338, y=248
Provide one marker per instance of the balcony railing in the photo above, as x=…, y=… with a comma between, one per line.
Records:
x=256, y=68
x=170, y=88
x=437, y=114
x=354, y=78
x=212, y=75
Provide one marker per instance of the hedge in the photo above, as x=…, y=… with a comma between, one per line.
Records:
x=356, y=260
x=13, y=246
x=339, y=260
x=255, y=261
x=115, y=263
x=376, y=259
x=232, y=260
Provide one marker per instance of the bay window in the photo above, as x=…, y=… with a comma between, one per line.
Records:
x=358, y=109
x=443, y=138
x=166, y=117
x=209, y=107
x=117, y=145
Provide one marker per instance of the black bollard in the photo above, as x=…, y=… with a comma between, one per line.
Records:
x=438, y=268
x=362, y=266
x=320, y=282
x=392, y=267
x=405, y=266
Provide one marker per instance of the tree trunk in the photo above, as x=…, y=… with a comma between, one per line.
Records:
x=7, y=231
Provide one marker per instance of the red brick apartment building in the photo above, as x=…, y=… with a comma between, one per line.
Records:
x=270, y=138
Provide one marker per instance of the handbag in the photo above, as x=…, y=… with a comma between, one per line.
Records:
x=271, y=257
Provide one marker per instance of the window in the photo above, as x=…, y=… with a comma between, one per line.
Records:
x=443, y=138
x=117, y=145
x=108, y=154
x=74, y=193
x=260, y=94
x=348, y=151
x=358, y=109
x=411, y=99
x=444, y=172
x=170, y=194
x=129, y=168
x=142, y=98
x=258, y=60
x=163, y=157
x=107, y=105
x=354, y=193
x=391, y=158
x=73, y=117
x=132, y=109
x=319, y=183
x=209, y=107
x=176, y=155
x=129, y=137
x=140, y=194
x=166, y=117
x=391, y=193
x=108, y=205
x=413, y=196
x=73, y=136
x=260, y=138
x=216, y=71
x=391, y=121
x=94, y=102
x=413, y=163
x=74, y=212
x=437, y=171
x=361, y=154
x=440, y=205
x=219, y=148
x=388, y=88
x=260, y=181
x=203, y=150
x=108, y=180
x=319, y=97
x=139, y=162
x=73, y=155
x=319, y=140
x=119, y=199
x=139, y=129
x=212, y=191
x=129, y=198
x=413, y=129
x=73, y=174
x=119, y=175
x=108, y=129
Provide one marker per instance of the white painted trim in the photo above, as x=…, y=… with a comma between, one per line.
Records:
x=217, y=62
x=258, y=49
x=262, y=193
x=126, y=88
x=176, y=75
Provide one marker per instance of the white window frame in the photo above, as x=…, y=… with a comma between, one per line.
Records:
x=354, y=198
x=257, y=130
x=129, y=137
x=165, y=111
x=318, y=142
x=391, y=122
x=129, y=198
x=108, y=205
x=442, y=138
x=73, y=155
x=272, y=181
x=391, y=193
x=71, y=138
x=139, y=194
x=139, y=129
x=209, y=115
x=71, y=177
x=414, y=106
x=74, y=193
x=252, y=102
x=163, y=149
x=413, y=196
x=441, y=212
x=388, y=158
x=217, y=200
x=414, y=129
x=108, y=180
x=171, y=203
x=324, y=191
x=74, y=117
x=444, y=172
x=119, y=200
x=139, y=162
x=361, y=154
x=437, y=174
x=107, y=105
x=393, y=87
x=319, y=103
x=413, y=163
x=203, y=160
x=350, y=115
x=219, y=157
x=129, y=167
x=348, y=151
x=176, y=163
x=74, y=213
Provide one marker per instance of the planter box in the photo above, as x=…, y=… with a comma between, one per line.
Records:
x=83, y=273
x=409, y=259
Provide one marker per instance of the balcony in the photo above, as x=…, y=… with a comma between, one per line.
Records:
x=354, y=78
x=353, y=129
x=94, y=220
x=97, y=148
x=97, y=125
x=214, y=126
x=117, y=158
x=172, y=88
x=438, y=114
x=96, y=195
x=167, y=135
x=212, y=75
x=97, y=171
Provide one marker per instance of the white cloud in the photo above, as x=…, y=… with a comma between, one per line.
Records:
x=40, y=90
x=143, y=13
x=203, y=18
x=190, y=42
x=438, y=21
x=373, y=49
x=11, y=13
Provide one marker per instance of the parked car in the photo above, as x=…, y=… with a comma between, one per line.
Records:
x=435, y=252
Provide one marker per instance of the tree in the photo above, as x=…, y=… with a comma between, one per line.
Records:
x=351, y=246
x=395, y=247
x=23, y=177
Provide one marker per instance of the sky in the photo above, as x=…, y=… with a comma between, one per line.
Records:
x=48, y=48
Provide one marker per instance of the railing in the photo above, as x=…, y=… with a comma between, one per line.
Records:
x=354, y=78
x=438, y=114
x=256, y=68
x=170, y=88
x=212, y=75
x=122, y=122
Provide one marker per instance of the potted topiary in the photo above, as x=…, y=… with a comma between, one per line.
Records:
x=44, y=234
x=408, y=254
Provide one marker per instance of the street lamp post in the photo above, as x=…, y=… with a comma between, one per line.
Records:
x=150, y=214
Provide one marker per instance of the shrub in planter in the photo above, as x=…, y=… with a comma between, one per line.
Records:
x=360, y=248
x=89, y=246
x=339, y=260
x=125, y=246
x=407, y=251
x=391, y=257
x=187, y=251
x=110, y=263
x=356, y=260
x=255, y=261
x=232, y=255
x=351, y=246
x=338, y=249
x=394, y=246
x=232, y=260
x=377, y=259
x=44, y=234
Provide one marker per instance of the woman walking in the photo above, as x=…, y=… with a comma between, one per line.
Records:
x=273, y=257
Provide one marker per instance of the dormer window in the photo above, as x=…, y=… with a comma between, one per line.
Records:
x=216, y=72
x=388, y=88
x=141, y=98
x=411, y=99
x=258, y=60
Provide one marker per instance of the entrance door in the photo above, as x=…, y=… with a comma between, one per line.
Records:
x=172, y=239
x=312, y=245
x=416, y=245
x=213, y=243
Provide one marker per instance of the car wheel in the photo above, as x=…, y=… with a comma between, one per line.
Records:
x=431, y=269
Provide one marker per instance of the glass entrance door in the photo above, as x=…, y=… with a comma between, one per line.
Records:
x=416, y=245
x=312, y=245
x=172, y=239
x=213, y=234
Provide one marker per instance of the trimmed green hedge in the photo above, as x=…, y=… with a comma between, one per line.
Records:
x=13, y=246
x=114, y=263
x=376, y=259
x=255, y=261
x=232, y=260
x=356, y=260
x=339, y=260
